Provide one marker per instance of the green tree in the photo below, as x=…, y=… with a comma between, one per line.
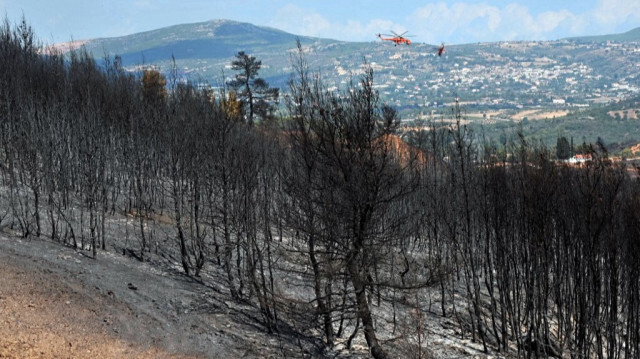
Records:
x=254, y=92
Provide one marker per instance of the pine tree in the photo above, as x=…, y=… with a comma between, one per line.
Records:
x=254, y=92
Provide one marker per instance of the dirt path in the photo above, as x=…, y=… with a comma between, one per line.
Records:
x=46, y=315
x=58, y=303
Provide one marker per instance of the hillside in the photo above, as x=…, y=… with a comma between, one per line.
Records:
x=202, y=50
x=331, y=237
x=414, y=79
x=57, y=302
x=629, y=36
x=205, y=40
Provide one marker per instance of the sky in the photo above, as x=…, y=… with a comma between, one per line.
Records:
x=452, y=22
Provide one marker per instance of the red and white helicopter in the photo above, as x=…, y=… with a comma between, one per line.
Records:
x=397, y=39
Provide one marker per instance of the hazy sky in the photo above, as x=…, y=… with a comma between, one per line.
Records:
x=433, y=22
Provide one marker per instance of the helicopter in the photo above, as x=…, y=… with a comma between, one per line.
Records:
x=397, y=39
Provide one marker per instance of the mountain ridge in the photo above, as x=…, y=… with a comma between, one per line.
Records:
x=631, y=35
x=216, y=41
x=213, y=38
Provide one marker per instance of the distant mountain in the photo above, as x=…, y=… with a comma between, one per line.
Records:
x=631, y=35
x=500, y=83
x=486, y=76
x=203, y=50
x=213, y=39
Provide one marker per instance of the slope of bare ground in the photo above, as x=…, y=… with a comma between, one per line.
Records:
x=58, y=303
x=46, y=316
